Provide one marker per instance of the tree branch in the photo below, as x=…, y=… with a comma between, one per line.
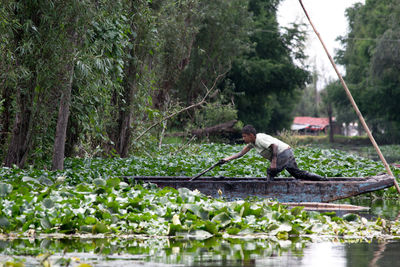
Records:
x=202, y=101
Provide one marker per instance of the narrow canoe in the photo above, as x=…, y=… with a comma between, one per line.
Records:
x=282, y=189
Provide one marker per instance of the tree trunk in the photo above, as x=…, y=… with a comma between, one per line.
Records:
x=125, y=111
x=19, y=146
x=21, y=135
x=72, y=137
x=65, y=102
x=5, y=118
x=62, y=122
x=124, y=133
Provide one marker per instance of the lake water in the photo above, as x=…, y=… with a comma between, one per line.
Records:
x=214, y=251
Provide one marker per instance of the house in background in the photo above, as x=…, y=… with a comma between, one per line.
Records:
x=312, y=125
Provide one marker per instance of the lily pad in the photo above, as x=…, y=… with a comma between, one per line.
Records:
x=223, y=219
x=5, y=189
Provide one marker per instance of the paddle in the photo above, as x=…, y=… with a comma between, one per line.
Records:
x=220, y=162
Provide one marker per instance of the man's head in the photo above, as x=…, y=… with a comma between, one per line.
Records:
x=249, y=134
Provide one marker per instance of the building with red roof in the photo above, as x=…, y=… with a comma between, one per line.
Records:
x=310, y=124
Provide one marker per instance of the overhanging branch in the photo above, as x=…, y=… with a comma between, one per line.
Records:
x=202, y=101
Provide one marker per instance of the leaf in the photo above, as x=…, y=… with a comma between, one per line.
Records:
x=45, y=223
x=350, y=217
x=48, y=203
x=46, y=181
x=90, y=220
x=113, y=182
x=5, y=189
x=99, y=182
x=4, y=223
x=296, y=211
x=200, y=234
x=211, y=227
x=186, y=194
x=223, y=219
x=100, y=228
x=246, y=231
x=30, y=179
x=174, y=229
x=86, y=228
x=233, y=230
x=197, y=210
x=317, y=228
x=285, y=227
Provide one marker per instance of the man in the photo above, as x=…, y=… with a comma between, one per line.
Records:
x=279, y=153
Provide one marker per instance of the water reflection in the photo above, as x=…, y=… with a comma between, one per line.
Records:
x=214, y=251
x=210, y=252
x=385, y=208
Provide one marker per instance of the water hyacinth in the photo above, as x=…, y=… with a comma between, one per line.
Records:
x=90, y=197
x=113, y=207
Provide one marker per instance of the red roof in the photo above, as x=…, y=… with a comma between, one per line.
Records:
x=312, y=121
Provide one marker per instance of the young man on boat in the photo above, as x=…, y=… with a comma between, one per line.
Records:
x=279, y=153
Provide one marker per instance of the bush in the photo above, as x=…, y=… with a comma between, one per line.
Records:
x=288, y=137
x=214, y=113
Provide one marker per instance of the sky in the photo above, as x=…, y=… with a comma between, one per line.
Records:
x=328, y=17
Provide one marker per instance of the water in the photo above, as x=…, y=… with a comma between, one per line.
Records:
x=145, y=252
x=212, y=252
x=385, y=208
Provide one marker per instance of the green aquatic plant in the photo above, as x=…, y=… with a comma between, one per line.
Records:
x=90, y=196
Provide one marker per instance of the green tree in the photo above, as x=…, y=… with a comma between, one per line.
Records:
x=57, y=65
x=371, y=61
x=310, y=101
x=336, y=102
x=222, y=36
x=266, y=80
x=77, y=77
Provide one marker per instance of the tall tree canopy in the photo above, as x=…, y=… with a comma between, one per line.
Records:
x=372, y=61
x=89, y=76
x=266, y=79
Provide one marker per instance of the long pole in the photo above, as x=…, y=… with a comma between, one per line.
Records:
x=353, y=103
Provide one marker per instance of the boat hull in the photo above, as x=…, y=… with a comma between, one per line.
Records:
x=282, y=189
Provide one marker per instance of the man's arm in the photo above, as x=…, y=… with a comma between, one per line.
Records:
x=238, y=155
x=274, y=155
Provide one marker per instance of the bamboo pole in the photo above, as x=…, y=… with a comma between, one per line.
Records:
x=353, y=103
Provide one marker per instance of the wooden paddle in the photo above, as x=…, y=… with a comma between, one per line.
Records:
x=220, y=162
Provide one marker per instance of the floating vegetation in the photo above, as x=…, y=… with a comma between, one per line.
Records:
x=90, y=197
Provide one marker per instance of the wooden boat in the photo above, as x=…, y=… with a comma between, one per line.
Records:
x=281, y=189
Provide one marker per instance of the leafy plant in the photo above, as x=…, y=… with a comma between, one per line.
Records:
x=90, y=196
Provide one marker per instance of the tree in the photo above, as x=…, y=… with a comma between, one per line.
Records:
x=137, y=61
x=309, y=102
x=79, y=77
x=371, y=63
x=25, y=36
x=222, y=36
x=70, y=43
x=266, y=79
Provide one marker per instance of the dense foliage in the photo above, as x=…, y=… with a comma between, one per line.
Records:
x=90, y=196
x=372, y=62
x=265, y=79
x=93, y=76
